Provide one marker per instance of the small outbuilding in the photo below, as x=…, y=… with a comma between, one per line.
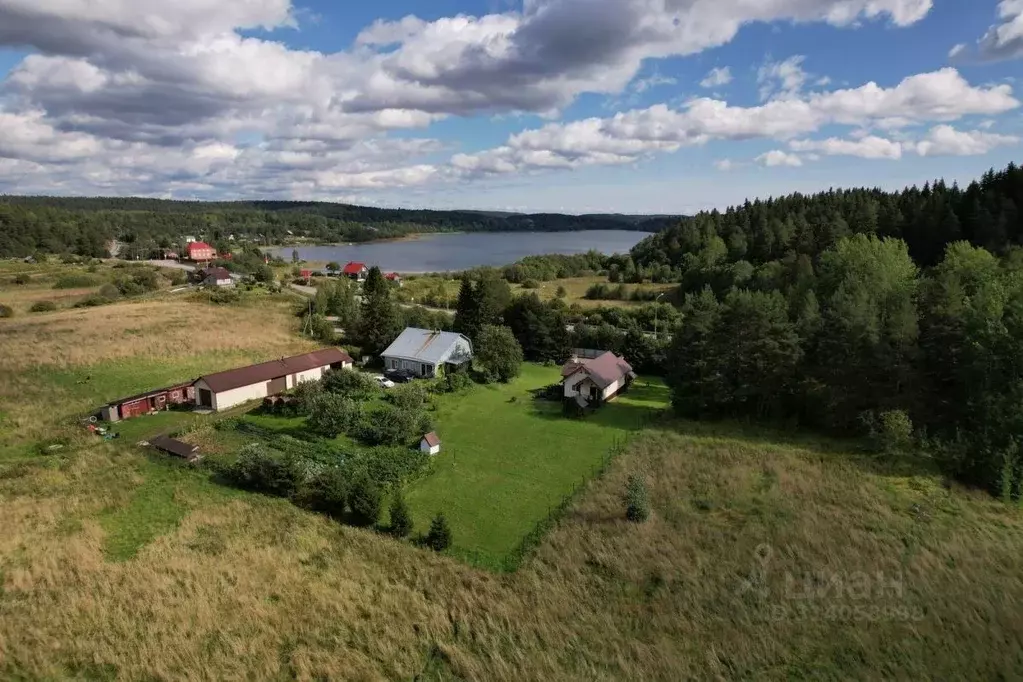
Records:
x=177, y=448
x=147, y=403
x=430, y=443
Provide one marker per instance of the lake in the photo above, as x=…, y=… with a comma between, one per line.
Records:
x=445, y=252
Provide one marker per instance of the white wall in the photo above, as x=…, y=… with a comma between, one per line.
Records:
x=572, y=384
x=314, y=374
x=614, y=388
x=423, y=446
x=225, y=400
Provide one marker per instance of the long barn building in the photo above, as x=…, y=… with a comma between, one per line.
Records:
x=224, y=390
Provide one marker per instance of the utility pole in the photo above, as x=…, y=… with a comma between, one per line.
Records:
x=656, y=311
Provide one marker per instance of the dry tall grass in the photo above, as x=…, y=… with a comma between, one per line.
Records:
x=254, y=588
x=58, y=364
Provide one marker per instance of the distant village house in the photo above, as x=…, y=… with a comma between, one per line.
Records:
x=355, y=271
x=200, y=251
x=217, y=277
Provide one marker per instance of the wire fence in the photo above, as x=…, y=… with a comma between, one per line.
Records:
x=531, y=540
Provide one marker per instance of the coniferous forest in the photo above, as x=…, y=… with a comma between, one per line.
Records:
x=859, y=311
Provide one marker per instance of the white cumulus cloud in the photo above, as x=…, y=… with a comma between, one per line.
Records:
x=717, y=77
x=777, y=157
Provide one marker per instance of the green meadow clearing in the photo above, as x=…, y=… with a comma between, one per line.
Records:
x=507, y=459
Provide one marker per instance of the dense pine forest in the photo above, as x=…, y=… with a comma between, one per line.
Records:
x=84, y=226
x=892, y=314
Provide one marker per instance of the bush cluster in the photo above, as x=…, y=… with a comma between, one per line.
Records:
x=43, y=307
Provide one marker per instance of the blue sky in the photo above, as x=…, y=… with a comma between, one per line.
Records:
x=633, y=106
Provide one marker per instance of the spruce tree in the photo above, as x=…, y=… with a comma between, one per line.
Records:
x=439, y=537
x=401, y=518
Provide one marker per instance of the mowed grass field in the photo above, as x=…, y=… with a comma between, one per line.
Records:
x=507, y=459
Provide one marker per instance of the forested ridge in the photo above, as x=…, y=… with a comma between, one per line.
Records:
x=898, y=315
x=84, y=225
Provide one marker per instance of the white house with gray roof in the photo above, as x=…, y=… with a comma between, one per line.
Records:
x=427, y=353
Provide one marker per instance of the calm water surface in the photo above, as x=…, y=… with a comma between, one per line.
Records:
x=442, y=252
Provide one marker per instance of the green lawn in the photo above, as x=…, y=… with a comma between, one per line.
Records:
x=507, y=459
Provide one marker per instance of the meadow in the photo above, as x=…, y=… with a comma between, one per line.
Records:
x=768, y=554
x=438, y=291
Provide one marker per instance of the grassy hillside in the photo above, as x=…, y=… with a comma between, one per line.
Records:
x=766, y=556
x=726, y=580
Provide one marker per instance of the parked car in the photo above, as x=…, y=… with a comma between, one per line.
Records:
x=400, y=376
x=384, y=381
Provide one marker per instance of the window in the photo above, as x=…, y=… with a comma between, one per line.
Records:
x=394, y=364
x=424, y=370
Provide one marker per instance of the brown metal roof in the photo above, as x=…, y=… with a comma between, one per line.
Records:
x=275, y=369
x=431, y=439
x=150, y=394
x=604, y=371
x=174, y=447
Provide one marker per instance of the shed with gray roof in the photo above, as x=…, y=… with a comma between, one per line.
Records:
x=427, y=353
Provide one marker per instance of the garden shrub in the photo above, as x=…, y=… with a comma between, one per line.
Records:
x=414, y=395
x=76, y=281
x=391, y=425
x=109, y=291
x=6, y=311
x=43, y=307
x=224, y=296
x=258, y=470
x=22, y=279
x=395, y=466
x=326, y=492
x=637, y=504
x=331, y=415
x=349, y=383
x=530, y=284
x=92, y=301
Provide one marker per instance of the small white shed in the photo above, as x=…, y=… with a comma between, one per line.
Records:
x=430, y=443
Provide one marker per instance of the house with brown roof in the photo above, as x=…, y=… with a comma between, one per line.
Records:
x=224, y=390
x=594, y=381
x=217, y=277
x=430, y=443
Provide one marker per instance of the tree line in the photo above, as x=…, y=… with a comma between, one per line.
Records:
x=898, y=311
x=84, y=226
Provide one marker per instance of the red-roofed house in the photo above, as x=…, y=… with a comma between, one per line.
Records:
x=200, y=251
x=356, y=271
x=596, y=380
x=393, y=277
